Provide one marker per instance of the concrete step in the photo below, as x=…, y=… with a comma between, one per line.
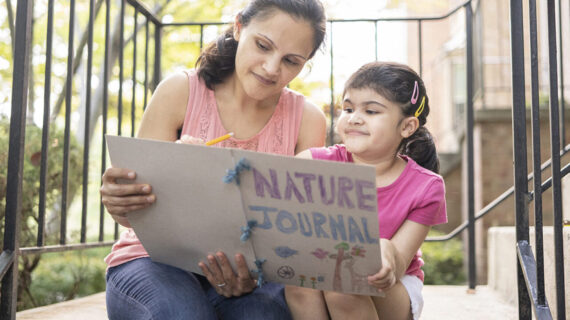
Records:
x=441, y=302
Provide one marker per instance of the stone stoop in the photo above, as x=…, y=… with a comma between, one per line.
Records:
x=502, y=265
x=441, y=302
x=86, y=308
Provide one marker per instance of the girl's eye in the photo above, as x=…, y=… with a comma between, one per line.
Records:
x=372, y=112
x=262, y=46
x=347, y=110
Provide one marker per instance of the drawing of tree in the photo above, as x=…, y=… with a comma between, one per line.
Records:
x=337, y=280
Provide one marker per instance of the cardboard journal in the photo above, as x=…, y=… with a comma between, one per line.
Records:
x=309, y=223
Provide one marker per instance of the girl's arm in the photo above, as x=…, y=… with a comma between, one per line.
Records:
x=398, y=252
x=312, y=131
x=162, y=118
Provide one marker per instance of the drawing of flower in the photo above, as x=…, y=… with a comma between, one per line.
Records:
x=313, y=282
x=302, y=279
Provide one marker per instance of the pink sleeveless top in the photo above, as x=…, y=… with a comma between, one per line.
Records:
x=279, y=136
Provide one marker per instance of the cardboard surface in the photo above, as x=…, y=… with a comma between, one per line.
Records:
x=316, y=221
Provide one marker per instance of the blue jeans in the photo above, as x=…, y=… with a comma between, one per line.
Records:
x=143, y=289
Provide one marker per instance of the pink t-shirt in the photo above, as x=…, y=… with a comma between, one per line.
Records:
x=279, y=136
x=417, y=194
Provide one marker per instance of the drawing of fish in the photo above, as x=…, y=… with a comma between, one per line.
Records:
x=285, y=252
x=320, y=253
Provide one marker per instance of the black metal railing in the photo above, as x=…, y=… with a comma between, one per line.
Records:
x=151, y=22
x=530, y=271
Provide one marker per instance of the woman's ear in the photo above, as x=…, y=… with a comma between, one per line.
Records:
x=237, y=27
x=409, y=126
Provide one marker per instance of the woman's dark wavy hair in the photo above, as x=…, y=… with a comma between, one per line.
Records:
x=395, y=82
x=217, y=61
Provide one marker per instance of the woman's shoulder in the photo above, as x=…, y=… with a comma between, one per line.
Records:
x=312, y=128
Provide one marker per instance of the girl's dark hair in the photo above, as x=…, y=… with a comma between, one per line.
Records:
x=217, y=61
x=396, y=82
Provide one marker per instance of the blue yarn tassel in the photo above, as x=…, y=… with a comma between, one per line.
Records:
x=246, y=231
x=233, y=174
x=258, y=264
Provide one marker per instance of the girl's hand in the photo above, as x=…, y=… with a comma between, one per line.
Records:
x=120, y=199
x=222, y=277
x=386, y=277
x=190, y=140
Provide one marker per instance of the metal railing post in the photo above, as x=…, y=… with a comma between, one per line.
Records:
x=9, y=293
x=469, y=137
x=519, y=148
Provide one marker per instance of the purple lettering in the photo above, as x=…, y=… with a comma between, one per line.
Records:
x=292, y=187
x=324, y=190
x=307, y=178
x=344, y=185
x=261, y=184
x=361, y=197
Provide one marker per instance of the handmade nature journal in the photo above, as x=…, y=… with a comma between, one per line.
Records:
x=309, y=223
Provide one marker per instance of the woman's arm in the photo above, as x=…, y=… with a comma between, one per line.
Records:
x=162, y=118
x=312, y=131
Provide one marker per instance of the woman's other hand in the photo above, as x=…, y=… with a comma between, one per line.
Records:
x=120, y=199
x=190, y=140
x=222, y=277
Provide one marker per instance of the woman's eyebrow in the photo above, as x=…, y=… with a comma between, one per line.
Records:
x=273, y=44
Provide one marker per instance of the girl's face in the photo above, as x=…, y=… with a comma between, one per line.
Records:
x=371, y=126
x=271, y=52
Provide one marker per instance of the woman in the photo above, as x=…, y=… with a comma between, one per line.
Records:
x=239, y=87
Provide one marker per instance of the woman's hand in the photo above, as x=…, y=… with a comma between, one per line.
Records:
x=222, y=277
x=190, y=140
x=120, y=199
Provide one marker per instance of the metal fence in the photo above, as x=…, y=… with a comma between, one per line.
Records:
x=531, y=271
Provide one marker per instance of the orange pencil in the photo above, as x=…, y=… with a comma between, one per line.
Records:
x=219, y=139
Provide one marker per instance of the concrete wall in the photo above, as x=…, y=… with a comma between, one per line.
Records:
x=502, y=264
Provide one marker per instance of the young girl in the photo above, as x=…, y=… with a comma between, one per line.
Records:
x=382, y=124
x=239, y=87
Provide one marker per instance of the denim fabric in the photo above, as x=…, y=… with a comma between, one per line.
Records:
x=142, y=289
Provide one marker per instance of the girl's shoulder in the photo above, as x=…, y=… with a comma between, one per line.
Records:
x=418, y=180
x=425, y=190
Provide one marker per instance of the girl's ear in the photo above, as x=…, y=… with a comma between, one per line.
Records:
x=409, y=126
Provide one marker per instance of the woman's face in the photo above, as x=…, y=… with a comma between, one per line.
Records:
x=271, y=52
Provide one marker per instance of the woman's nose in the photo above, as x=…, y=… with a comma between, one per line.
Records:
x=272, y=65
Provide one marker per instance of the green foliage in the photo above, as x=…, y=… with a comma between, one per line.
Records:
x=31, y=175
x=31, y=190
x=443, y=262
x=68, y=275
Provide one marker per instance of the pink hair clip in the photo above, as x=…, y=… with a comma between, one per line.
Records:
x=415, y=94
